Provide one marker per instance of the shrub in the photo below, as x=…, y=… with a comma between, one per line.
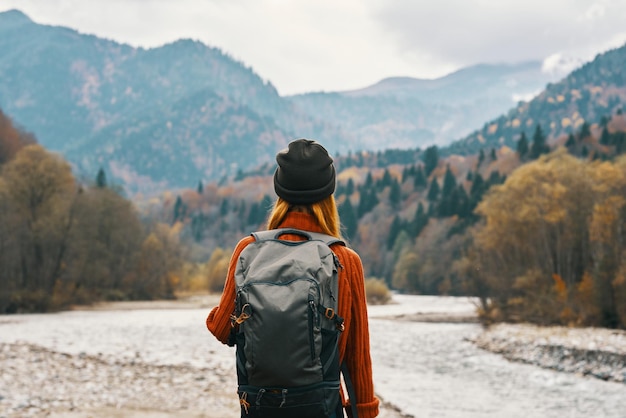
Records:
x=376, y=291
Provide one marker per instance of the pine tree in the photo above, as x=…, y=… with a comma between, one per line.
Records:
x=394, y=230
x=200, y=187
x=395, y=195
x=368, y=201
x=419, y=221
x=101, y=179
x=539, y=145
x=477, y=190
x=605, y=138
x=369, y=181
x=386, y=179
x=463, y=209
x=431, y=159
x=348, y=219
x=179, y=209
x=420, y=181
x=481, y=158
x=449, y=182
x=522, y=146
x=349, y=187
x=585, y=131
x=224, y=207
x=433, y=191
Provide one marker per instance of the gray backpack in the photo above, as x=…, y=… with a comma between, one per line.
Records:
x=286, y=326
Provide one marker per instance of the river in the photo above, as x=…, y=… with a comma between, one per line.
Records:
x=426, y=369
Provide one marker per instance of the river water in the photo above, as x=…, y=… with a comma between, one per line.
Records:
x=425, y=369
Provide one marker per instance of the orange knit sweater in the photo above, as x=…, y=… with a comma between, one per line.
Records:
x=354, y=343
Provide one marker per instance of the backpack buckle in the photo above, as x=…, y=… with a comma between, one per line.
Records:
x=329, y=313
x=246, y=312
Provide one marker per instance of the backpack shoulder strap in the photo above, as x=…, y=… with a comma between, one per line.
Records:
x=351, y=392
x=274, y=234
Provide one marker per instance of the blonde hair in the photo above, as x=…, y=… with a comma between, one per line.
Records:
x=324, y=211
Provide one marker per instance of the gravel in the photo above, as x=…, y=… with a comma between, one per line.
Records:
x=38, y=382
x=46, y=373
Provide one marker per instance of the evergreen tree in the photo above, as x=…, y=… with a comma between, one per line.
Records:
x=420, y=181
x=101, y=179
x=539, y=145
x=200, y=189
x=179, y=209
x=463, y=207
x=198, y=226
x=394, y=230
x=254, y=215
x=431, y=159
x=571, y=141
x=265, y=208
x=348, y=219
x=369, y=181
x=349, y=187
x=241, y=210
x=481, y=158
x=368, y=201
x=385, y=180
x=449, y=182
x=493, y=154
x=395, y=195
x=419, y=221
x=522, y=146
x=407, y=172
x=604, y=121
x=495, y=178
x=477, y=190
x=585, y=131
x=224, y=207
x=433, y=191
x=605, y=138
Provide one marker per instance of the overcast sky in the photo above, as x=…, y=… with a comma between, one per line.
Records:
x=330, y=45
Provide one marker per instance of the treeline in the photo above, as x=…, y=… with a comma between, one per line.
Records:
x=552, y=249
x=434, y=226
x=63, y=242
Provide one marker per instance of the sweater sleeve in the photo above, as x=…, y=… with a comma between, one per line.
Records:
x=357, y=356
x=218, y=320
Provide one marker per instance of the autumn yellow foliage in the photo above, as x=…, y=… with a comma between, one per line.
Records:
x=552, y=242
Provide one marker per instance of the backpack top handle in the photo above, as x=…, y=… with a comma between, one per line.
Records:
x=274, y=234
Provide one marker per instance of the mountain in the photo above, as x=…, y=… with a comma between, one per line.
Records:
x=107, y=104
x=170, y=116
x=400, y=111
x=590, y=94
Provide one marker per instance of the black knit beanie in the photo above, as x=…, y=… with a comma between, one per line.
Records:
x=305, y=173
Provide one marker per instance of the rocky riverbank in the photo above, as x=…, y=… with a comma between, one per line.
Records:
x=37, y=382
x=156, y=360
x=596, y=352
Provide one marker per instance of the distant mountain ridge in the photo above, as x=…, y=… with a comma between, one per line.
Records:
x=402, y=110
x=590, y=94
x=168, y=117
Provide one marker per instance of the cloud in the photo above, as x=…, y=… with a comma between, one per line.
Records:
x=460, y=33
x=559, y=66
x=340, y=45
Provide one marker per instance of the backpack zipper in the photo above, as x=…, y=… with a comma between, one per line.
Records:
x=312, y=316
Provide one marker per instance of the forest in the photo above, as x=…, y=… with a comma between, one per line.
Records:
x=433, y=225
x=64, y=241
x=536, y=233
